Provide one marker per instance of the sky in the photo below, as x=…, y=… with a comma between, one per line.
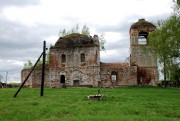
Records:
x=25, y=24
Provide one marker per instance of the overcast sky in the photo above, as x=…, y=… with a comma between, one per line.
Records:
x=25, y=24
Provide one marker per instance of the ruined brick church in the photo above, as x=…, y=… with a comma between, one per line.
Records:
x=75, y=61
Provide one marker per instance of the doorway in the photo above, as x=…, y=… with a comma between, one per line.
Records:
x=62, y=79
x=75, y=82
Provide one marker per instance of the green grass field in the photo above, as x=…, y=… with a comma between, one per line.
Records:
x=71, y=104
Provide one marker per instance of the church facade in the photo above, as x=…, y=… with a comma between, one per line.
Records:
x=75, y=61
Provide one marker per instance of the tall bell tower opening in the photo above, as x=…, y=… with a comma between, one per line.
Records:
x=142, y=38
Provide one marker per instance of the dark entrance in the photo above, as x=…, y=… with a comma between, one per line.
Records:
x=75, y=82
x=62, y=79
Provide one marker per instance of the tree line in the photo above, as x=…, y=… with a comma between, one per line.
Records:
x=165, y=44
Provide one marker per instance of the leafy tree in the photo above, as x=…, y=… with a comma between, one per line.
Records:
x=75, y=29
x=102, y=42
x=64, y=32
x=85, y=30
x=178, y=2
x=39, y=63
x=165, y=43
x=28, y=65
x=176, y=7
x=48, y=57
x=174, y=74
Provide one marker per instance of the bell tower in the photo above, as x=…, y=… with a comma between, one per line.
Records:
x=144, y=60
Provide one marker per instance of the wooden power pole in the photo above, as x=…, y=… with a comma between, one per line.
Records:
x=27, y=76
x=43, y=69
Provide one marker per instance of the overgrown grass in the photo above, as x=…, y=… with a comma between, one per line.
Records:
x=71, y=104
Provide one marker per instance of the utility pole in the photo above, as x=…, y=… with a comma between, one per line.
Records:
x=0, y=78
x=6, y=77
x=43, y=68
x=28, y=76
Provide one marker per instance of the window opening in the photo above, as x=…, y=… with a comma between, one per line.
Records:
x=63, y=58
x=142, y=38
x=82, y=57
x=114, y=76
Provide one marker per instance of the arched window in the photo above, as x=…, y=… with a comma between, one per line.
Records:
x=114, y=76
x=63, y=58
x=82, y=57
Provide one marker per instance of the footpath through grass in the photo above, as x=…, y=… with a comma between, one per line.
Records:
x=71, y=104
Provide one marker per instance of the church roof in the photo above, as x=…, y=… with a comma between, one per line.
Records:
x=142, y=23
x=74, y=40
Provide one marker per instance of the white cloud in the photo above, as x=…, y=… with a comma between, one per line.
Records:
x=15, y=62
x=112, y=36
x=99, y=12
x=51, y=40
